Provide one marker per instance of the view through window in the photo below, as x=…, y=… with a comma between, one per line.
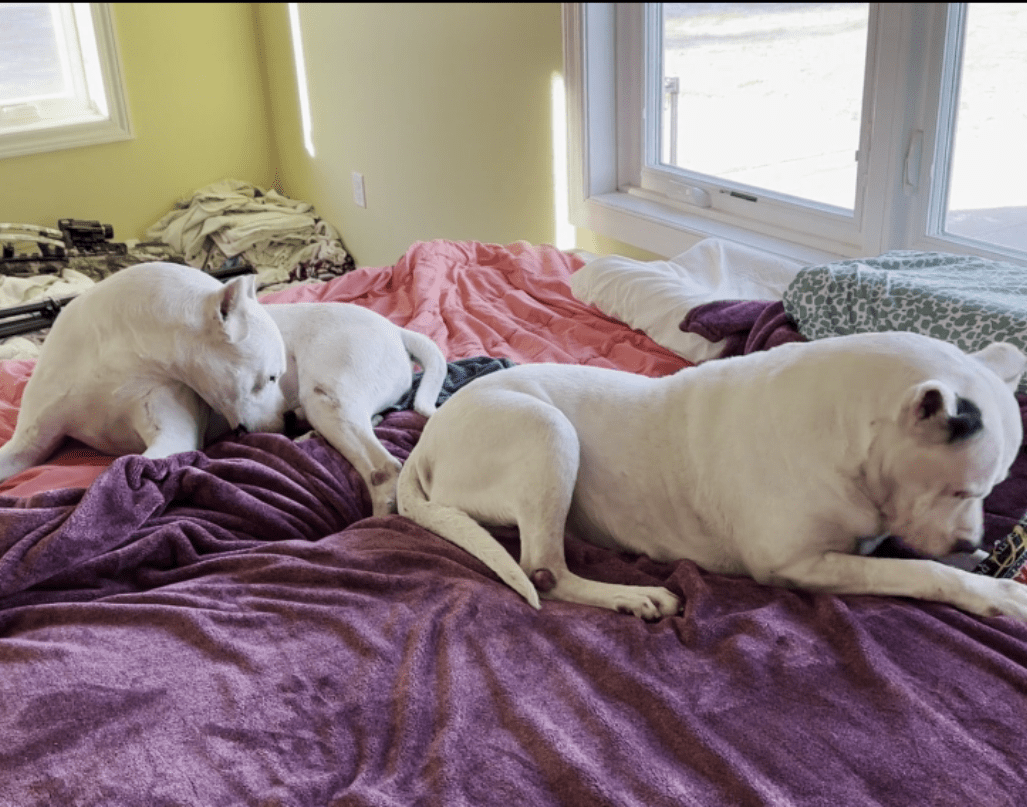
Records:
x=43, y=72
x=30, y=59
x=60, y=78
x=768, y=95
x=987, y=189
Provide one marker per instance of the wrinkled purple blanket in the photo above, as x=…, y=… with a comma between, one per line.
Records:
x=228, y=629
x=745, y=325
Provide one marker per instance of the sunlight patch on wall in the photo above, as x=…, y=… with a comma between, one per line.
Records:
x=565, y=235
x=301, y=76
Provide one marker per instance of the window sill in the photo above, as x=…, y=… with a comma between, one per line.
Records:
x=55, y=138
x=636, y=218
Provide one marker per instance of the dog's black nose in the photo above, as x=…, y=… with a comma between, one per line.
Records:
x=241, y=430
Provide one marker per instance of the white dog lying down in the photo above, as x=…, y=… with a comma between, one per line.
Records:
x=345, y=364
x=132, y=364
x=149, y=358
x=781, y=465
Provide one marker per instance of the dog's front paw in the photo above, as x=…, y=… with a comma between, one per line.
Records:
x=1007, y=598
x=648, y=603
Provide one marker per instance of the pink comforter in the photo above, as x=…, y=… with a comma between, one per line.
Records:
x=473, y=299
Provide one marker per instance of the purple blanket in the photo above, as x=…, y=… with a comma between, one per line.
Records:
x=745, y=325
x=228, y=629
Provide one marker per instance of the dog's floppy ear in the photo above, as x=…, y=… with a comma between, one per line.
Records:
x=934, y=413
x=229, y=306
x=1004, y=360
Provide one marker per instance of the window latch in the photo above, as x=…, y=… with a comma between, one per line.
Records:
x=914, y=154
x=19, y=114
x=689, y=193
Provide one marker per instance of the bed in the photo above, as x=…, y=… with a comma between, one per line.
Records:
x=230, y=627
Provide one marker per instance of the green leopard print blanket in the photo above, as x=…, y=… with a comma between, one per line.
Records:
x=968, y=301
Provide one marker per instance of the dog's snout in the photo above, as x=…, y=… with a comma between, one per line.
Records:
x=965, y=545
x=241, y=430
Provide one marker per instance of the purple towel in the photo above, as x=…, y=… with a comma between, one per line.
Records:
x=745, y=325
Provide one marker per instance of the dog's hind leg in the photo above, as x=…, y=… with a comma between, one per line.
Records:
x=32, y=442
x=347, y=428
x=542, y=510
x=507, y=458
x=460, y=529
x=169, y=420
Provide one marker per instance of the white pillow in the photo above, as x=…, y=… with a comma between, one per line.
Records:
x=654, y=296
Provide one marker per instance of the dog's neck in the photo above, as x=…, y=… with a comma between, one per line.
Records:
x=872, y=486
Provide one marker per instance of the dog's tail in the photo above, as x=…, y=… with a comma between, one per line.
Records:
x=459, y=528
x=427, y=354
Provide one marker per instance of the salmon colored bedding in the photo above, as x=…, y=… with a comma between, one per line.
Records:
x=473, y=299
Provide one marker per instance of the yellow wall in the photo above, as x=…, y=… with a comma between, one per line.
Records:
x=198, y=111
x=601, y=245
x=445, y=109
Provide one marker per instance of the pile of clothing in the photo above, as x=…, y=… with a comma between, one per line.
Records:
x=283, y=239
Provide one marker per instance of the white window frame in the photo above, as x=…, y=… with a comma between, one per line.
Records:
x=110, y=120
x=614, y=193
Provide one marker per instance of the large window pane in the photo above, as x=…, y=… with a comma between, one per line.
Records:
x=767, y=95
x=987, y=191
x=30, y=61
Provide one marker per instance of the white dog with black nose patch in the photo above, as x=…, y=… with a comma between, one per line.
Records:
x=783, y=465
x=132, y=364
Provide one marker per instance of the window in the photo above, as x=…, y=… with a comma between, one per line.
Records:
x=985, y=127
x=60, y=79
x=811, y=129
x=742, y=84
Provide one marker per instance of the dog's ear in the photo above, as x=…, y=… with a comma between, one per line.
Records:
x=935, y=414
x=1004, y=360
x=229, y=306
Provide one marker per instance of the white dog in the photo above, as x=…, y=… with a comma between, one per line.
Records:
x=345, y=364
x=781, y=465
x=131, y=365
